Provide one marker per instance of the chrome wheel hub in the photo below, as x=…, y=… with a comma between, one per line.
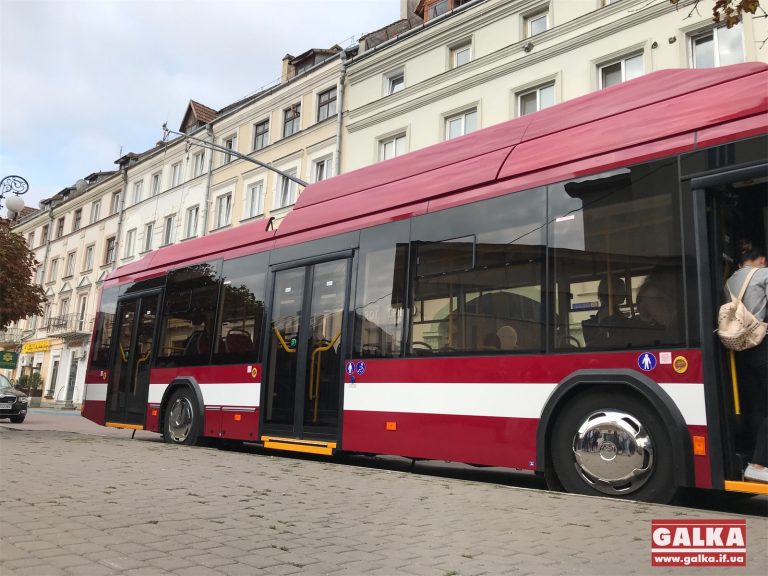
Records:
x=613, y=451
x=180, y=419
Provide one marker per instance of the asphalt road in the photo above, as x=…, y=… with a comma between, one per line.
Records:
x=89, y=500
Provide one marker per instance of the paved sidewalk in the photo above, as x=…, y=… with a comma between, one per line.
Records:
x=79, y=504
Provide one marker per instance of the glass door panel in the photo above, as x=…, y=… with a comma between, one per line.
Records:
x=282, y=378
x=129, y=377
x=323, y=378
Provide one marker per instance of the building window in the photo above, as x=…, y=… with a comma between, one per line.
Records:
x=109, y=252
x=291, y=120
x=718, y=47
x=114, y=205
x=223, y=210
x=77, y=220
x=69, y=269
x=63, y=307
x=149, y=229
x=321, y=169
x=198, y=164
x=326, y=104
x=60, y=227
x=137, y=191
x=536, y=24
x=81, y=315
x=53, y=269
x=130, y=243
x=287, y=190
x=44, y=235
x=176, y=174
x=461, y=124
x=254, y=200
x=230, y=144
x=395, y=83
x=622, y=70
x=168, y=228
x=155, y=184
x=261, y=135
x=31, y=240
x=88, y=259
x=190, y=228
x=461, y=55
x=391, y=147
x=95, y=211
x=437, y=9
x=536, y=99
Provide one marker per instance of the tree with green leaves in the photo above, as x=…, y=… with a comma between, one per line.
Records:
x=19, y=295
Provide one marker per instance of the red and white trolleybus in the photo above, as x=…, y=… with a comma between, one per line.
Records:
x=539, y=295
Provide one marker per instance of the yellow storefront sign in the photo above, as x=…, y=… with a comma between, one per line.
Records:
x=39, y=346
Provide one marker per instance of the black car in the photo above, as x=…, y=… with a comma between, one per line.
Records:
x=13, y=403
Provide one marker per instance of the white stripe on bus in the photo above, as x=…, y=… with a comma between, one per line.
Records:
x=493, y=400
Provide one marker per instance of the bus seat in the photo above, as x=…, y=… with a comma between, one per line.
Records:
x=507, y=337
x=238, y=342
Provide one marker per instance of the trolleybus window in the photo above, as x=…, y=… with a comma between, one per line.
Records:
x=241, y=310
x=617, y=259
x=480, y=292
x=102, y=337
x=381, y=290
x=191, y=296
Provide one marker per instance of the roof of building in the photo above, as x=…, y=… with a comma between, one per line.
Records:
x=197, y=115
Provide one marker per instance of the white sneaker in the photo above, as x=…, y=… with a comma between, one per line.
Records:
x=756, y=474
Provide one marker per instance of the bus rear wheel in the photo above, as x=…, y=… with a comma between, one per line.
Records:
x=181, y=424
x=613, y=444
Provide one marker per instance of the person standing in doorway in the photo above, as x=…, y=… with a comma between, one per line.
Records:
x=752, y=364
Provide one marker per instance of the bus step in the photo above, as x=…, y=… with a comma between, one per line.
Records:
x=748, y=487
x=298, y=445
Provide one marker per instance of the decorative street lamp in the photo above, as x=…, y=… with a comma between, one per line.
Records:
x=15, y=185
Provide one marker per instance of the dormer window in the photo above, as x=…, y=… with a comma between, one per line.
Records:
x=431, y=9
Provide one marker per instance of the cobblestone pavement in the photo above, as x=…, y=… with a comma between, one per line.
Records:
x=95, y=505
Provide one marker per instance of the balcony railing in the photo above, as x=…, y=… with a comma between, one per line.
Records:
x=11, y=336
x=68, y=324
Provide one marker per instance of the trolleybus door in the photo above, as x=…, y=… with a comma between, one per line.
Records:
x=734, y=205
x=304, y=374
x=129, y=375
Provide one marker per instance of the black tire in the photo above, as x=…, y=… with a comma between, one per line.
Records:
x=182, y=421
x=655, y=484
x=18, y=419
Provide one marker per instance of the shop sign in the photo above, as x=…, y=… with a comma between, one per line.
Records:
x=8, y=360
x=39, y=346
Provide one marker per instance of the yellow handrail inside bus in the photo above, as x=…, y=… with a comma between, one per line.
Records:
x=122, y=352
x=314, y=373
x=282, y=341
x=734, y=382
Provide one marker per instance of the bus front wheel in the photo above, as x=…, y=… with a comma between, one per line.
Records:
x=613, y=444
x=181, y=424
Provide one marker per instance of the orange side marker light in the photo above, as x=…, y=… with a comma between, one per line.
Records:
x=238, y=417
x=391, y=425
x=154, y=411
x=699, y=446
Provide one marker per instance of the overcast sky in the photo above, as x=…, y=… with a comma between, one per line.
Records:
x=81, y=80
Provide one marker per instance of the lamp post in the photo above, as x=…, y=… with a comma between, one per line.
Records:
x=13, y=187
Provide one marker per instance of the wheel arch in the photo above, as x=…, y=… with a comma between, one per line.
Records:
x=582, y=381
x=187, y=382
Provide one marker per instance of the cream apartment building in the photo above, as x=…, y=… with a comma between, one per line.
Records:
x=472, y=64
x=183, y=189
x=73, y=237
